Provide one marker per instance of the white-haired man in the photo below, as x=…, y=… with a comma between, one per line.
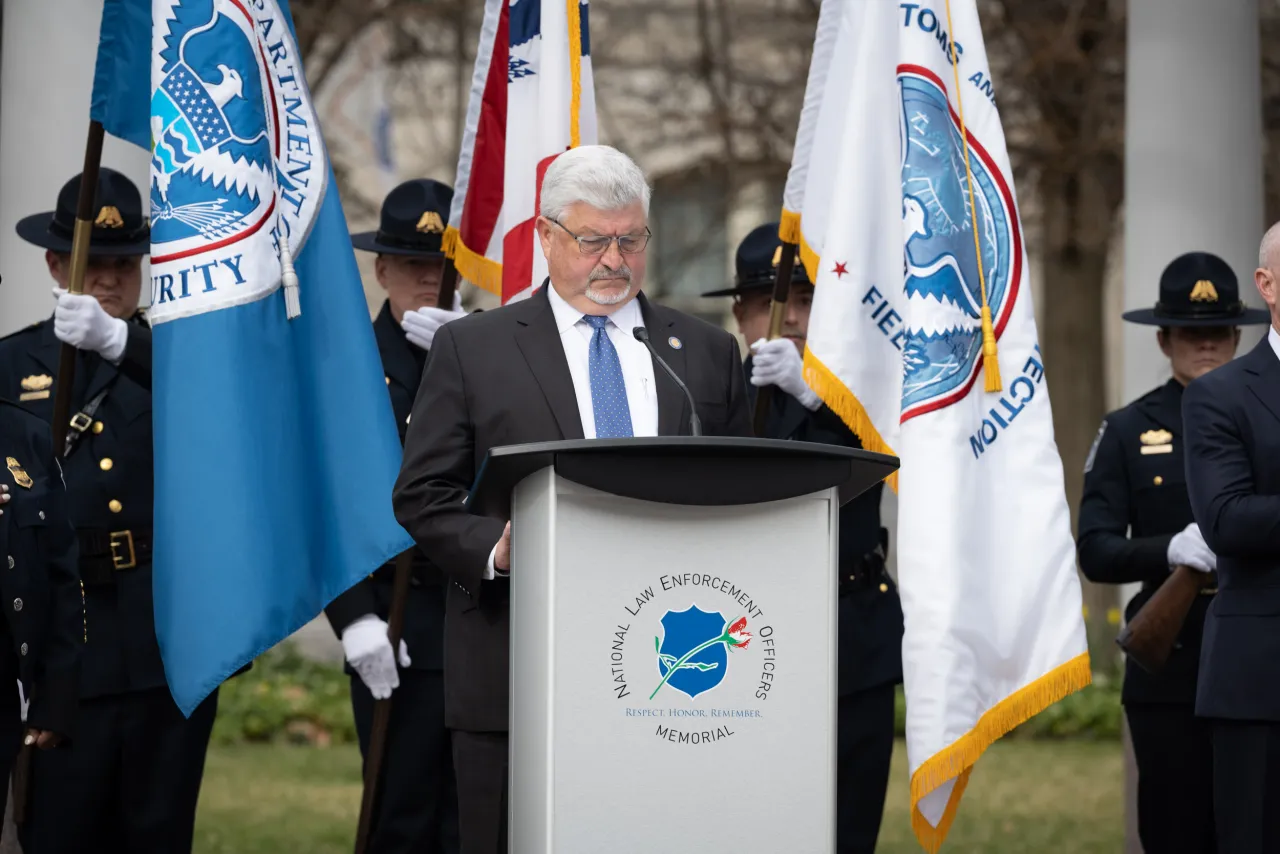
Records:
x=560, y=365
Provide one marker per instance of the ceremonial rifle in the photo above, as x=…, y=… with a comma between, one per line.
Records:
x=1150, y=636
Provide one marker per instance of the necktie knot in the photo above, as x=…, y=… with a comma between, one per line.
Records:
x=596, y=321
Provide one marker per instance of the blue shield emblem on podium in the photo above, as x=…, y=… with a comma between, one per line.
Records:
x=683, y=632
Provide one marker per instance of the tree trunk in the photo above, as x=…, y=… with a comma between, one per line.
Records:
x=1077, y=221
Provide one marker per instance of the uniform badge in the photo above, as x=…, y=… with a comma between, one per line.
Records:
x=20, y=477
x=675, y=342
x=1204, y=291
x=36, y=387
x=430, y=223
x=109, y=217
x=1156, y=442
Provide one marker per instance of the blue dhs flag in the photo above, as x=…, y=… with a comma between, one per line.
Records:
x=276, y=447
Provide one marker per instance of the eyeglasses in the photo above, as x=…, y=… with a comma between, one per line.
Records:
x=628, y=244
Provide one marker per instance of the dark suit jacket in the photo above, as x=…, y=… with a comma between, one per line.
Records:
x=1135, y=500
x=109, y=477
x=501, y=378
x=39, y=584
x=424, y=608
x=870, y=612
x=1232, y=419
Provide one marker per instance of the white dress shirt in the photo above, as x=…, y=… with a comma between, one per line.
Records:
x=637, y=365
x=1273, y=338
x=637, y=371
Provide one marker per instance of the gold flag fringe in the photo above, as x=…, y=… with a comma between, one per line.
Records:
x=472, y=266
x=956, y=760
x=837, y=395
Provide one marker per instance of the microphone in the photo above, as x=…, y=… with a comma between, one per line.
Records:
x=642, y=335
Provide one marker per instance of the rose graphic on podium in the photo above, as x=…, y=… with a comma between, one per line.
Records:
x=693, y=652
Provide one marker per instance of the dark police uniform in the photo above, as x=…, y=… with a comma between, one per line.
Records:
x=417, y=798
x=133, y=777
x=869, y=613
x=42, y=633
x=1134, y=502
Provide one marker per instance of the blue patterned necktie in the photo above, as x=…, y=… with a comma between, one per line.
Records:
x=608, y=390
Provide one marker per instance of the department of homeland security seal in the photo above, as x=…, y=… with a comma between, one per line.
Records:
x=943, y=350
x=237, y=156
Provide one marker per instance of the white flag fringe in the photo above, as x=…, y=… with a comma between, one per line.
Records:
x=910, y=230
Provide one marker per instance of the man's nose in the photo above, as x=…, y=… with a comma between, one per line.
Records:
x=612, y=257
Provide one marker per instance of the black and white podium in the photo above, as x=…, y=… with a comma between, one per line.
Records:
x=673, y=641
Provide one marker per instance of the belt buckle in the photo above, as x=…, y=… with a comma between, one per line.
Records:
x=123, y=538
x=81, y=422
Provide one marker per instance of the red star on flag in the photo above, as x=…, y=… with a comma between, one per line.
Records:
x=840, y=269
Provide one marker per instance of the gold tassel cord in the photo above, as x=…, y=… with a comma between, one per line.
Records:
x=990, y=356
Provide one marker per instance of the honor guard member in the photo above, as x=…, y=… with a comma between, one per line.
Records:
x=1136, y=525
x=42, y=632
x=132, y=780
x=870, y=612
x=416, y=807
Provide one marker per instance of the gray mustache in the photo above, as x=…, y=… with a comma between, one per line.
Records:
x=623, y=272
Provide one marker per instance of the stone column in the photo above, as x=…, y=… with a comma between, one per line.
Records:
x=46, y=74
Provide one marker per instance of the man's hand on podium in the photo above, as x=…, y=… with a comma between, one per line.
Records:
x=502, y=552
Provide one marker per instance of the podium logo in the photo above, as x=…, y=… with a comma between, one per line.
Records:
x=693, y=652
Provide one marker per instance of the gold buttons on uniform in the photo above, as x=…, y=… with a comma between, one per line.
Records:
x=97, y=427
x=114, y=506
x=884, y=588
x=106, y=463
x=388, y=379
x=853, y=578
x=1157, y=480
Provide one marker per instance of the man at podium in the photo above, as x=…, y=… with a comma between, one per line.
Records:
x=870, y=612
x=564, y=364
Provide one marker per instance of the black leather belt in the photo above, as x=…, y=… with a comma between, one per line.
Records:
x=104, y=554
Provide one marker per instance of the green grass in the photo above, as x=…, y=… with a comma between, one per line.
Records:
x=1024, y=796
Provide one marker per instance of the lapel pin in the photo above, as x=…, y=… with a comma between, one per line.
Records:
x=675, y=342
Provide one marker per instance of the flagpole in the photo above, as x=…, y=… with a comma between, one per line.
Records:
x=382, y=708
x=395, y=628
x=777, y=312
x=66, y=379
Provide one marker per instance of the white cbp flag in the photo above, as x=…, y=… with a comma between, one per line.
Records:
x=532, y=98
x=913, y=238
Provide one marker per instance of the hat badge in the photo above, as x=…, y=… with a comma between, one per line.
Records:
x=1204, y=291
x=430, y=223
x=109, y=217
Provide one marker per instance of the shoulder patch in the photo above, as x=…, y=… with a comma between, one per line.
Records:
x=1093, y=449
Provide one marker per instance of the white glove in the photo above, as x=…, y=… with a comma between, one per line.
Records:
x=1188, y=548
x=778, y=363
x=79, y=320
x=368, y=650
x=420, y=326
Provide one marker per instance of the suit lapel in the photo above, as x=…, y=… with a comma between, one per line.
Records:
x=397, y=359
x=1265, y=382
x=539, y=342
x=673, y=409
